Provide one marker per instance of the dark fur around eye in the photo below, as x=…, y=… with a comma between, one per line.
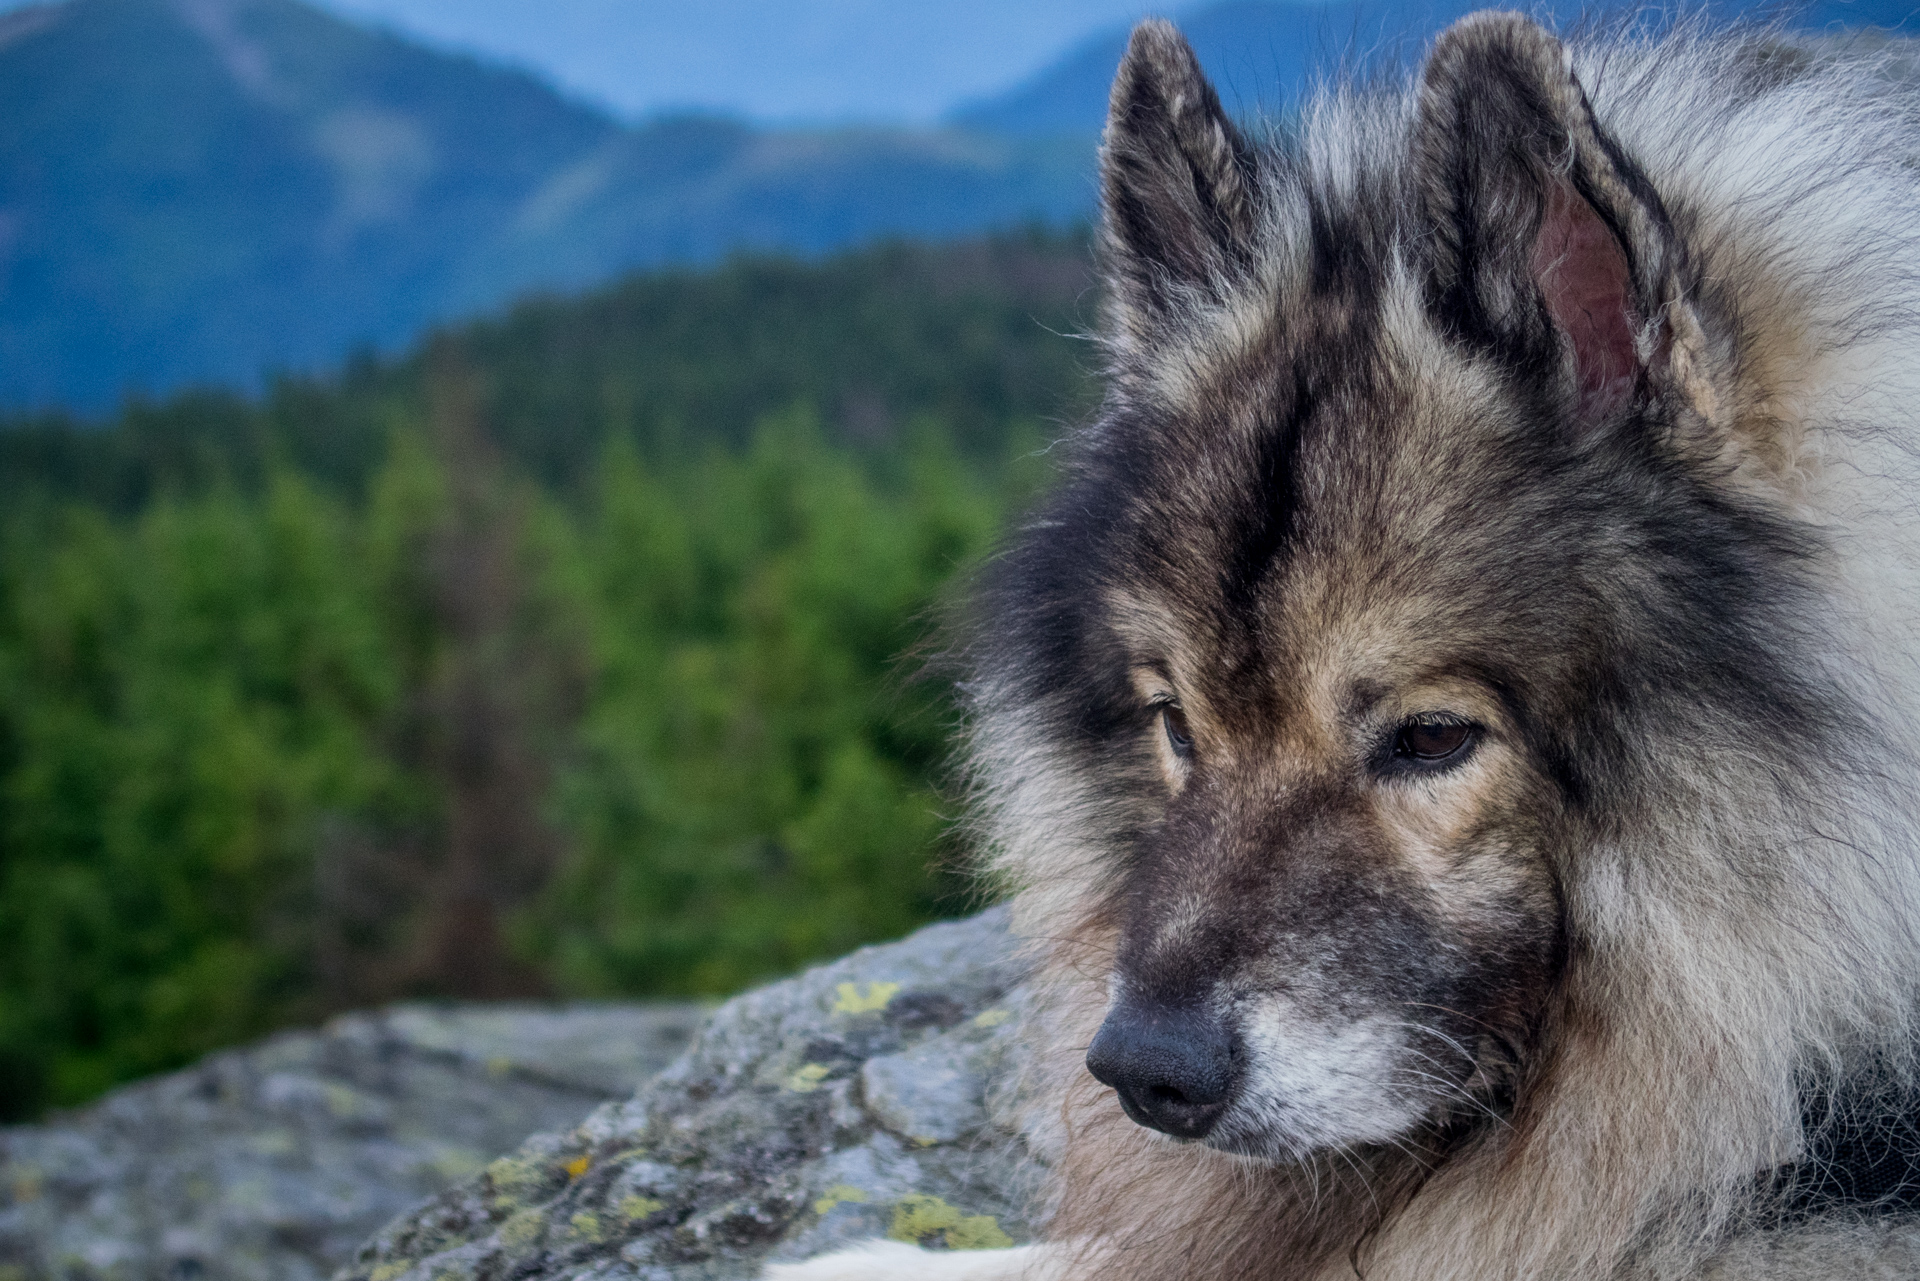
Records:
x=1179, y=735
x=1428, y=742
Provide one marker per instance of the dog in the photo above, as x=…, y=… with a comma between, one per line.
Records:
x=1451, y=734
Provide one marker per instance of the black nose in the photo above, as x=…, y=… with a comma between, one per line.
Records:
x=1173, y=1069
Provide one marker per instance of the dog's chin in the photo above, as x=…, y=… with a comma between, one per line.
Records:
x=1274, y=1134
x=1264, y=1145
x=1259, y=1147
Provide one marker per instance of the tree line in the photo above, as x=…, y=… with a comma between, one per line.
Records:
x=572, y=653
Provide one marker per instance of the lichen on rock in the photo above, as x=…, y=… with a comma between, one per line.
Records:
x=273, y=1162
x=862, y=1099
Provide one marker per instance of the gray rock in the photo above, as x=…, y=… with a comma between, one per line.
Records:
x=871, y=1097
x=271, y=1163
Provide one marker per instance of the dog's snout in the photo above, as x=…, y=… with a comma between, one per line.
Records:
x=1173, y=1069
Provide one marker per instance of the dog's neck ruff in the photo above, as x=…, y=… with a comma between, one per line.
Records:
x=1865, y=1156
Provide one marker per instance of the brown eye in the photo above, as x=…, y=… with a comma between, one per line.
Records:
x=1179, y=737
x=1431, y=740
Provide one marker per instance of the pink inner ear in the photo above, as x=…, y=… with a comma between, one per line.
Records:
x=1582, y=271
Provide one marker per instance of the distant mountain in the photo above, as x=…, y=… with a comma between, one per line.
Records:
x=190, y=189
x=199, y=190
x=694, y=190
x=1263, y=53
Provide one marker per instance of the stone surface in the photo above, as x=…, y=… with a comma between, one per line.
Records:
x=271, y=1163
x=876, y=1096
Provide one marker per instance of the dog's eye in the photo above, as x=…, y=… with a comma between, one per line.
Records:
x=1431, y=740
x=1179, y=736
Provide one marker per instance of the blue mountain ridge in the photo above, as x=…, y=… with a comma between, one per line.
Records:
x=198, y=191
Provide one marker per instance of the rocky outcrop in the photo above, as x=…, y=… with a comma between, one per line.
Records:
x=873, y=1097
x=271, y=1163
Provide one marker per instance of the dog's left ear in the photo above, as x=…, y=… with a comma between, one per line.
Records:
x=1544, y=243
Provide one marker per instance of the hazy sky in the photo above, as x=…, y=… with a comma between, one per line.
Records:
x=907, y=60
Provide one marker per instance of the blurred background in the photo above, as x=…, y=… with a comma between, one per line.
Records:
x=478, y=478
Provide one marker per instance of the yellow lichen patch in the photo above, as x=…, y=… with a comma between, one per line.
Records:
x=808, y=1078
x=386, y=1272
x=928, y=1220
x=639, y=1207
x=916, y=1218
x=509, y=1174
x=578, y=1166
x=978, y=1232
x=991, y=1018
x=838, y=1194
x=522, y=1229
x=519, y=1180
x=875, y=999
x=26, y=1183
x=586, y=1227
x=499, y=1065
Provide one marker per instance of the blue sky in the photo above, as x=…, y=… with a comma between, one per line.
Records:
x=784, y=61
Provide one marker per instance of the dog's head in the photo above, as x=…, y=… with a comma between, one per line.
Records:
x=1360, y=611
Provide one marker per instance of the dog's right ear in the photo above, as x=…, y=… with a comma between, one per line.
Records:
x=1178, y=193
x=1543, y=241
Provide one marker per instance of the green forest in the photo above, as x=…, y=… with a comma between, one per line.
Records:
x=577, y=652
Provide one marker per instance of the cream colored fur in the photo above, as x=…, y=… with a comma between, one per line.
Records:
x=891, y=1261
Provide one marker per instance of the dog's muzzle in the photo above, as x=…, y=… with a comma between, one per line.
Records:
x=1173, y=1069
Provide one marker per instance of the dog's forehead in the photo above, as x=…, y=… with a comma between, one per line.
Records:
x=1322, y=495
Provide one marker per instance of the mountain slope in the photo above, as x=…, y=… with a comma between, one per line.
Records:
x=694, y=190
x=190, y=190
x=199, y=190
